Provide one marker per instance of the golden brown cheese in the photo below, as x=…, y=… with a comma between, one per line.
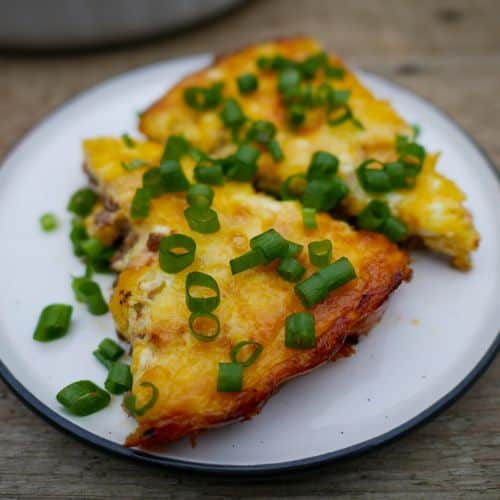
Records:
x=149, y=308
x=433, y=210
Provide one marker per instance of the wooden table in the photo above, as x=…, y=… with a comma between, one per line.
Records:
x=447, y=51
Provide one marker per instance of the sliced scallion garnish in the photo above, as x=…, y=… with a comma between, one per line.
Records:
x=53, y=322
x=83, y=398
x=201, y=302
x=300, y=331
x=257, y=349
x=176, y=252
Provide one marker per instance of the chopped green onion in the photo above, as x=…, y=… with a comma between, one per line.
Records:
x=102, y=359
x=293, y=187
x=177, y=146
x=247, y=83
x=119, y=378
x=289, y=79
x=208, y=333
x=131, y=401
x=140, y=203
x=203, y=98
x=252, y=258
x=290, y=269
x=231, y=115
x=134, y=165
x=324, y=195
x=107, y=352
x=82, y=202
x=197, y=304
x=176, y=252
x=89, y=292
x=242, y=166
x=110, y=349
x=373, y=216
x=53, y=322
x=250, y=360
x=400, y=175
x=207, y=172
x=129, y=142
x=309, y=218
x=300, y=331
x=83, y=398
x=48, y=222
x=275, y=150
x=410, y=153
x=296, y=115
x=200, y=195
x=294, y=249
x=264, y=63
x=320, y=253
x=173, y=177
x=314, y=289
x=230, y=377
x=323, y=166
x=334, y=72
x=261, y=131
x=78, y=235
x=271, y=244
x=152, y=180
x=395, y=229
x=374, y=179
x=312, y=64
x=202, y=219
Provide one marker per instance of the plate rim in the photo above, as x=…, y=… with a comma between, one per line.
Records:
x=58, y=421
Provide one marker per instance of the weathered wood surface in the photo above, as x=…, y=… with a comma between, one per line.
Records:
x=447, y=51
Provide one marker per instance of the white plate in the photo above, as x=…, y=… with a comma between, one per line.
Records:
x=438, y=334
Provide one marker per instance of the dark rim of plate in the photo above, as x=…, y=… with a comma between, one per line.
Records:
x=423, y=417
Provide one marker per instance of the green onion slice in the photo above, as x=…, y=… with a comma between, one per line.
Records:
x=82, y=202
x=275, y=150
x=288, y=79
x=373, y=216
x=107, y=352
x=134, y=165
x=250, y=360
x=208, y=330
x=119, y=378
x=231, y=115
x=78, y=235
x=173, y=177
x=290, y=269
x=201, y=302
x=89, y=292
x=395, y=229
x=53, y=322
x=141, y=201
x=83, y=398
x=128, y=141
x=374, y=179
x=293, y=187
x=131, y=401
x=207, y=172
x=294, y=249
x=202, y=220
x=320, y=253
x=324, y=195
x=247, y=83
x=200, y=195
x=48, y=222
x=203, y=98
x=300, y=331
x=261, y=131
x=230, y=377
x=177, y=146
x=323, y=166
x=102, y=359
x=176, y=252
x=271, y=244
x=314, y=289
x=152, y=180
x=252, y=258
x=242, y=166
x=309, y=218
x=296, y=115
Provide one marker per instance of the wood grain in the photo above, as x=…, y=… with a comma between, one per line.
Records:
x=447, y=51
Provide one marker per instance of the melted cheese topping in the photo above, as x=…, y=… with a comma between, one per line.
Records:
x=444, y=225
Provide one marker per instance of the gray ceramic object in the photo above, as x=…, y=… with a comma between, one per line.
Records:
x=58, y=24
